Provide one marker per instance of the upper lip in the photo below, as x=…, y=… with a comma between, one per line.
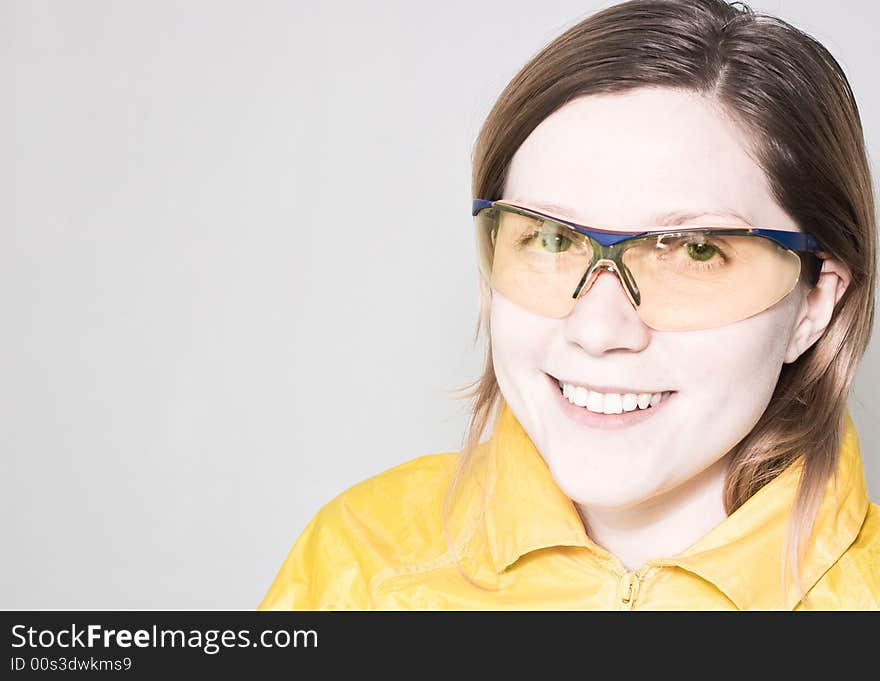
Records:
x=607, y=389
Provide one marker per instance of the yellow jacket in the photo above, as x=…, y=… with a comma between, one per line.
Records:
x=380, y=545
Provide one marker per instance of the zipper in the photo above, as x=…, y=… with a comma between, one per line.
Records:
x=629, y=590
x=629, y=583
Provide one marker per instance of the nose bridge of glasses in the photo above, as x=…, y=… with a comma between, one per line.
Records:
x=609, y=264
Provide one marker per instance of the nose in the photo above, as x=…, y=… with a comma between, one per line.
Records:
x=603, y=319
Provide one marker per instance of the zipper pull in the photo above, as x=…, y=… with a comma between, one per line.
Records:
x=629, y=590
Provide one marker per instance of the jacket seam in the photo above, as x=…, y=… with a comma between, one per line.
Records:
x=422, y=567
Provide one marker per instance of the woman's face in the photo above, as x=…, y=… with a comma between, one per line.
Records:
x=620, y=161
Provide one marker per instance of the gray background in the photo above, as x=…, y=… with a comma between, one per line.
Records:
x=182, y=383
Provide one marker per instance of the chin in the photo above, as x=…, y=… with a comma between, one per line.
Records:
x=608, y=487
x=620, y=498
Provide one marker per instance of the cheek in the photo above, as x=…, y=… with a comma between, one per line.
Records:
x=744, y=357
x=520, y=339
x=779, y=329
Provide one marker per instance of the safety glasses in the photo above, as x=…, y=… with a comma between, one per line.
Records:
x=679, y=278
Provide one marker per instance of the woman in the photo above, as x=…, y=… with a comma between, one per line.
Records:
x=675, y=225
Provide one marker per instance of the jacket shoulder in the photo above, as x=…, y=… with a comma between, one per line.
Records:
x=865, y=550
x=390, y=519
x=855, y=578
x=394, y=517
x=413, y=485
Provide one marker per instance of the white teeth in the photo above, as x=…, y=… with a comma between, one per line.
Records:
x=611, y=403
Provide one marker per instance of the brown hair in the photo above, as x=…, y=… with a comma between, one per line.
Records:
x=792, y=97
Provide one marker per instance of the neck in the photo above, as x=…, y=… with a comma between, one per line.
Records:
x=662, y=526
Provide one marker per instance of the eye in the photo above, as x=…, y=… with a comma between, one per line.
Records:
x=554, y=242
x=691, y=250
x=701, y=251
x=544, y=241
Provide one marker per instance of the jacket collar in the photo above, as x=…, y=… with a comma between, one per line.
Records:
x=742, y=556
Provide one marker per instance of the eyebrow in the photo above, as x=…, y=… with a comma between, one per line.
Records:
x=662, y=219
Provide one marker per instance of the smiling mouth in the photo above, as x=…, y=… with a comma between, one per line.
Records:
x=610, y=402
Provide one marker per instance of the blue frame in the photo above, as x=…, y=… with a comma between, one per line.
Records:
x=793, y=241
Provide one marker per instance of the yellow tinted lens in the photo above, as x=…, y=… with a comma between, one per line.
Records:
x=699, y=280
x=535, y=263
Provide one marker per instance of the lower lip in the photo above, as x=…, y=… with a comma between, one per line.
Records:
x=589, y=419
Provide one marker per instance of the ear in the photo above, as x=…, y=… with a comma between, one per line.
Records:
x=817, y=307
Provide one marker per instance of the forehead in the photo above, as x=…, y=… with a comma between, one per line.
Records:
x=623, y=159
